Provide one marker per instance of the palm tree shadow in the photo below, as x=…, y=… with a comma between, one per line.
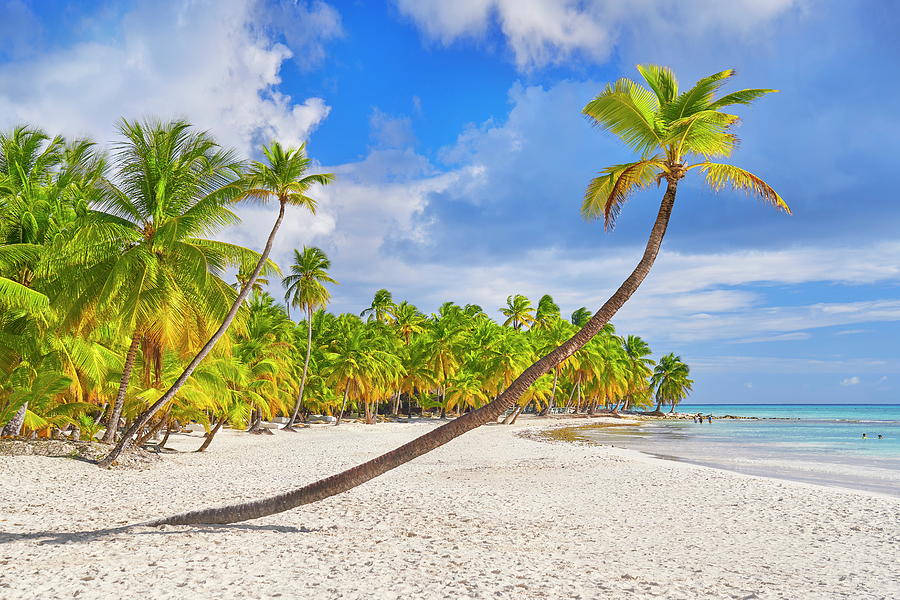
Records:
x=75, y=537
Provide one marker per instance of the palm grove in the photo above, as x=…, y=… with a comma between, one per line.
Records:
x=115, y=302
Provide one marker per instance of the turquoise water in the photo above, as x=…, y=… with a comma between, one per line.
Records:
x=820, y=444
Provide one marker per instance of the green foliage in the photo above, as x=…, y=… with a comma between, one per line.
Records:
x=667, y=129
x=97, y=251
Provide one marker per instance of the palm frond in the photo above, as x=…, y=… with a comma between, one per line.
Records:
x=661, y=80
x=719, y=175
x=606, y=194
x=627, y=109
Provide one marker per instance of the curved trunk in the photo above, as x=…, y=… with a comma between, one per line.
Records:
x=293, y=418
x=343, y=405
x=546, y=410
x=162, y=443
x=14, y=426
x=112, y=425
x=151, y=433
x=210, y=435
x=145, y=417
x=349, y=479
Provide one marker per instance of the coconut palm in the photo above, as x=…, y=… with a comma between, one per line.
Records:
x=306, y=290
x=679, y=126
x=381, y=309
x=284, y=178
x=518, y=311
x=408, y=321
x=580, y=316
x=149, y=264
x=640, y=368
x=547, y=312
x=671, y=380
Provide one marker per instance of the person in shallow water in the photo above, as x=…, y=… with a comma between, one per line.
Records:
x=709, y=419
x=880, y=437
x=864, y=436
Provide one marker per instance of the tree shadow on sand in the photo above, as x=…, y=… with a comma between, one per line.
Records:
x=75, y=537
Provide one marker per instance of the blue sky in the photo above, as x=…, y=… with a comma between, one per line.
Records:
x=455, y=130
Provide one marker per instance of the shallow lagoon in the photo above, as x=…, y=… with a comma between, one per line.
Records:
x=816, y=444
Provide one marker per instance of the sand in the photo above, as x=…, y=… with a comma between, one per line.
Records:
x=493, y=514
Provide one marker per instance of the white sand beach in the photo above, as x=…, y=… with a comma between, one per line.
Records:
x=490, y=515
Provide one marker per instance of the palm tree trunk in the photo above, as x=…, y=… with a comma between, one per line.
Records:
x=113, y=424
x=211, y=435
x=516, y=415
x=14, y=425
x=552, y=400
x=293, y=418
x=349, y=479
x=162, y=444
x=141, y=440
x=145, y=417
x=343, y=405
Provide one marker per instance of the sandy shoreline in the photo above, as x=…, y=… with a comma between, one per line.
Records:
x=490, y=515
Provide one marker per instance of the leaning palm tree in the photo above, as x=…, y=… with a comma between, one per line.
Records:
x=306, y=290
x=283, y=177
x=671, y=380
x=667, y=129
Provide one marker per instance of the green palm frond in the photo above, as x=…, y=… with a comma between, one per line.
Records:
x=14, y=295
x=719, y=175
x=661, y=80
x=627, y=109
x=607, y=193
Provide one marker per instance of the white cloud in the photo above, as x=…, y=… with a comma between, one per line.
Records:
x=784, y=337
x=850, y=381
x=388, y=131
x=306, y=26
x=789, y=366
x=542, y=32
x=210, y=62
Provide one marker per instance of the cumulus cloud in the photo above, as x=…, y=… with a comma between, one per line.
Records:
x=211, y=62
x=544, y=32
x=306, y=27
x=784, y=337
x=850, y=381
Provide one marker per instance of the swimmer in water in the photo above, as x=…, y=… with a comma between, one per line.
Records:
x=864, y=436
x=880, y=437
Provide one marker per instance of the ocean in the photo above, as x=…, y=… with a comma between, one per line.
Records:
x=819, y=444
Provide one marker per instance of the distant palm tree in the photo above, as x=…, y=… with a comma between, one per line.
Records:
x=671, y=381
x=283, y=177
x=547, y=312
x=678, y=126
x=580, y=316
x=408, y=321
x=518, y=311
x=306, y=290
x=640, y=367
x=382, y=308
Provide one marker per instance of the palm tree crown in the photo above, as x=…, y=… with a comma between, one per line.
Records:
x=518, y=311
x=304, y=284
x=668, y=129
x=284, y=177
